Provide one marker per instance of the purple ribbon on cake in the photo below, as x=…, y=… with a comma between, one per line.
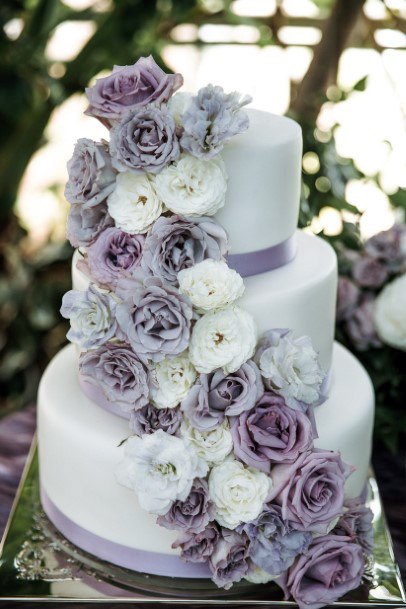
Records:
x=262, y=261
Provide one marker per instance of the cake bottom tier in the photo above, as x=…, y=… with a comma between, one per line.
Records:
x=79, y=450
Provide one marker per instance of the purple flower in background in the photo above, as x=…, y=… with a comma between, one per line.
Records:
x=211, y=118
x=114, y=254
x=368, y=272
x=192, y=515
x=347, y=298
x=270, y=432
x=229, y=560
x=360, y=326
x=356, y=523
x=310, y=491
x=86, y=223
x=149, y=418
x=389, y=246
x=91, y=315
x=130, y=87
x=91, y=175
x=273, y=544
x=197, y=547
x=144, y=140
x=217, y=395
x=176, y=243
x=331, y=567
x=117, y=371
x=156, y=319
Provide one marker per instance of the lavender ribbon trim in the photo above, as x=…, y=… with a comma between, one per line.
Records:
x=124, y=556
x=262, y=261
x=97, y=396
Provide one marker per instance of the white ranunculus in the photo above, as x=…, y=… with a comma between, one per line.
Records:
x=134, y=204
x=390, y=314
x=238, y=492
x=192, y=186
x=222, y=339
x=174, y=377
x=213, y=446
x=210, y=284
x=177, y=105
x=256, y=575
x=160, y=469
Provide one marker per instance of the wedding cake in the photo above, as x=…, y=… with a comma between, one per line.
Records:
x=203, y=424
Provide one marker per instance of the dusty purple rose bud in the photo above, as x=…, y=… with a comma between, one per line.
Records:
x=217, y=395
x=270, y=432
x=368, y=272
x=86, y=223
x=144, y=140
x=118, y=373
x=192, y=515
x=156, y=319
x=356, y=523
x=148, y=419
x=197, y=547
x=130, y=87
x=388, y=246
x=347, y=298
x=176, y=243
x=91, y=175
x=360, y=326
x=229, y=561
x=331, y=567
x=310, y=491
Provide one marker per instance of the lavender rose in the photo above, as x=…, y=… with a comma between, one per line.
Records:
x=217, y=395
x=197, y=547
x=156, y=319
x=177, y=243
x=356, y=523
x=211, y=118
x=114, y=254
x=130, y=87
x=192, y=515
x=270, y=432
x=144, y=140
x=310, y=491
x=368, y=272
x=91, y=175
x=148, y=419
x=86, y=223
x=331, y=567
x=389, y=246
x=347, y=298
x=360, y=326
x=229, y=560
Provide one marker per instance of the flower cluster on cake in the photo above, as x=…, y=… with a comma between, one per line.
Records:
x=222, y=427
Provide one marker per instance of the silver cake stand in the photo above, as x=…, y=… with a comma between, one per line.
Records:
x=38, y=565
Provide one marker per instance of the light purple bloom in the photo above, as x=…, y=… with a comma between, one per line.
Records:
x=197, y=547
x=369, y=272
x=130, y=87
x=149, y=419
x=356, y=523
x=360, y=326
x=217, y=395
x=389, y=246
x=270, y=432
x=347, y=298
x=211, y=118
x=176, y=243
x=86, y=223
x=192, y=515
x=229, y=560
x=144, y=140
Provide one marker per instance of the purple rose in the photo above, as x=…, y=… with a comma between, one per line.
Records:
x=368, y=272
x=273, y=544
x=86, y=223
x=360, y=326
x=176, y=243
x=331, y=567
x=149, y=419
x=310, y=491
x=114, y=254
x=156, y=319
x=270, y=432
x=118, y=373
x=356, y=523
x=144, y=140
x=347, y=298
x=229, y=560
x=91, y=175
x=197, y=547
x=217, y=395
x=388, y=246
x=130, y=87
x=192, y=515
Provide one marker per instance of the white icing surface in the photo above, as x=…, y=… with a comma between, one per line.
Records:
x=78, y=449
x=264, y=169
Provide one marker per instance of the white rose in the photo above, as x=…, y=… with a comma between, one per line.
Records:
x=238, y=492
x=159, y=468
x=390, y=313
x=256, y=575
x=134, y=204
x=210, y=284
x=222, y=339
x=174, y=377
x=178, y=104
x=212, y=446
x=192, y=186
